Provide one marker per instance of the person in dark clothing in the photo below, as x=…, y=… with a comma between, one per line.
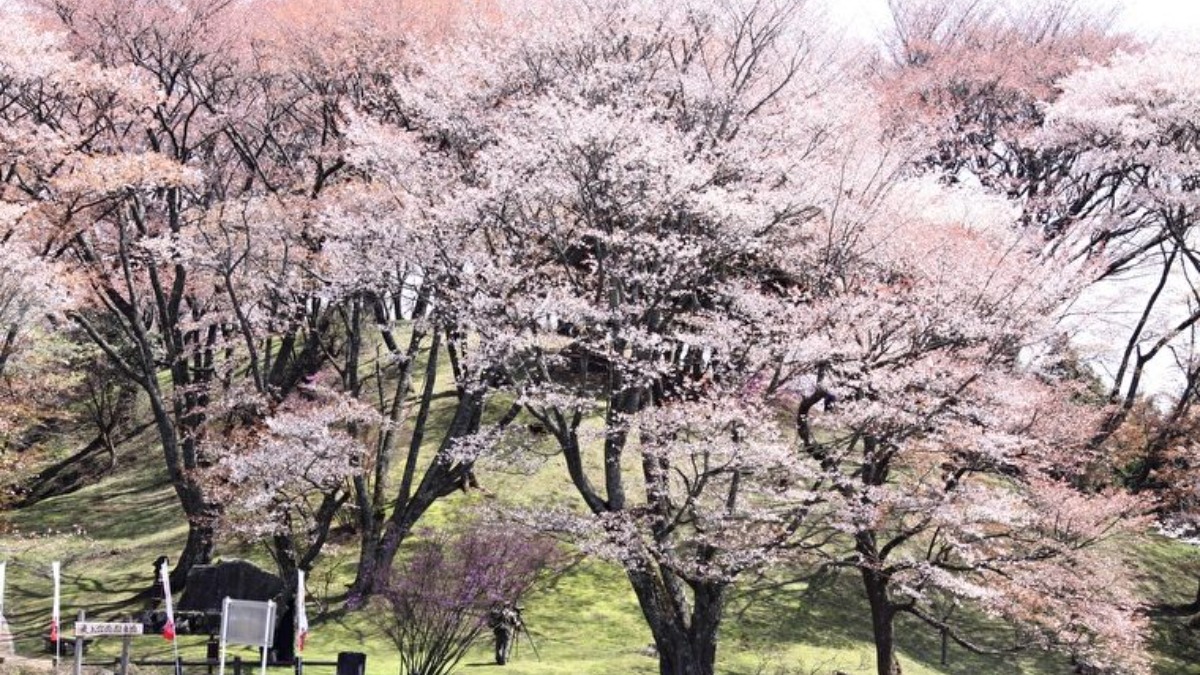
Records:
x=505, y=621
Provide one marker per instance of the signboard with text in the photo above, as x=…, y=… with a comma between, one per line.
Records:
x=97, y=629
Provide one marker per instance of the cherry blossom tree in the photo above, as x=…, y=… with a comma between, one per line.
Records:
x=930, y=396
x=757, y=311
x=283, y=479
x=667, y=235
x=176, y=187
x=631, y=174
x=30, y=375
x=33, y=75
x=1132, y=201
x=969, y=81
x=242, y=264
x=414, y=271
x=1104, y=182
x=1133, y=207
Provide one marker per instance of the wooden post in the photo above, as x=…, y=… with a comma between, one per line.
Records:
x=212, y=653
x=126, y=642
x=79, y=646
x=237, y=665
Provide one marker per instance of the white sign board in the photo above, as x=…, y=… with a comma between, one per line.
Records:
x=90, y=628
x=247, y=622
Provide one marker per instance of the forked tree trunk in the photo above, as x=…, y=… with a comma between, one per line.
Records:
x=685, y=632
x=444, y=476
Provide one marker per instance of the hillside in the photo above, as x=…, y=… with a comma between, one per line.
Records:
x=585, y=621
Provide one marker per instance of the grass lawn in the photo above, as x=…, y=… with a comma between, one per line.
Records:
x=586, y=621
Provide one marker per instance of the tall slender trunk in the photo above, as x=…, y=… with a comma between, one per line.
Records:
x=883, y=614
x=442, y=477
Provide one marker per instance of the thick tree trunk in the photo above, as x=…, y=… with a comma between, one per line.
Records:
x=883, y=614
x=685, y=634
x=201, y=514
x=198, y=549
x=689, y=653
x=678, y=658
x=375, y=559
x=287, y=564
x=373, y=568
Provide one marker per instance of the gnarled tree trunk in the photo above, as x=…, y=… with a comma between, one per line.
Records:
x=684, y=628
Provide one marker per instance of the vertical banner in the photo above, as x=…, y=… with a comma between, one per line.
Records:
x=54, y=573
x=168, y=631
x=301, y=614
x=3, y=565
x=169, y=627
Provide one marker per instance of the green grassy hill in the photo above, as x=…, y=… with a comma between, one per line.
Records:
x=585, y=621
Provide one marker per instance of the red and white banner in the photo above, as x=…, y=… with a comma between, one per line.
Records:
x=301, y=614
x=169, y=627
x=54, y=573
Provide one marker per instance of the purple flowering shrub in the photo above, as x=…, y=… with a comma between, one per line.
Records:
x=436, y=603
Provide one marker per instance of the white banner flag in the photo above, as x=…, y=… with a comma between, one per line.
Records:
x=54, y=570
x=301, y=614
x=169, y=627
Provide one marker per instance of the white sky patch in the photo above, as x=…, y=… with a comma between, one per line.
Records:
x=1161, y=18
x=1150, y=19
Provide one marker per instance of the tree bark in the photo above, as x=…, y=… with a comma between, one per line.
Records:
x=199, y=547
x=883, y=614
x=685, y=633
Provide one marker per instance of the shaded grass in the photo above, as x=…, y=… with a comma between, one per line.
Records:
x=1167, y=573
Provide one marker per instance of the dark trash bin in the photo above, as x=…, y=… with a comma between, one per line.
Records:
x=351, y=663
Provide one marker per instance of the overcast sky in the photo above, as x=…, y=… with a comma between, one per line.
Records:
x=1149, y=18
